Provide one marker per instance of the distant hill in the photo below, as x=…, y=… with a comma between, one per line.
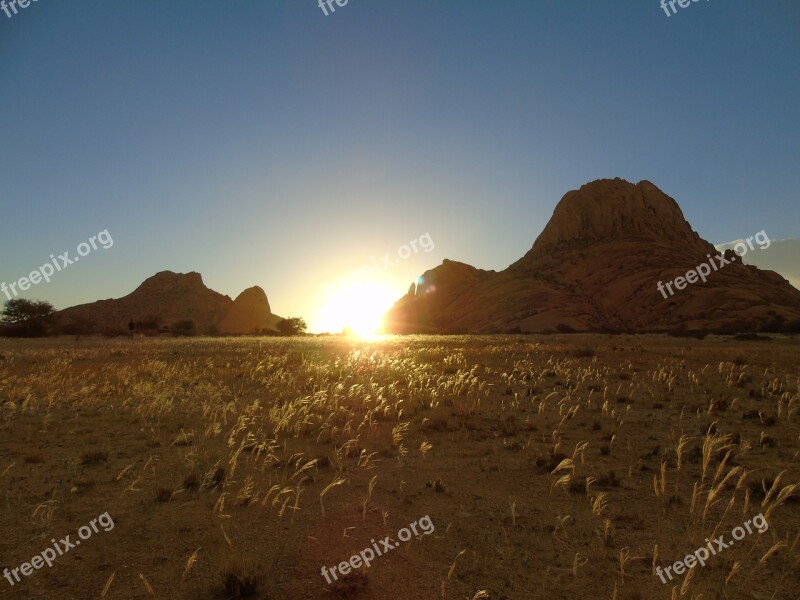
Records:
x=595, y=267
x=169, y=297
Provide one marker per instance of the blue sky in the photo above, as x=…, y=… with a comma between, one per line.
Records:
x=268, y=144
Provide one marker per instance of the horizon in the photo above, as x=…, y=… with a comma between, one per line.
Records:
x=346, y=282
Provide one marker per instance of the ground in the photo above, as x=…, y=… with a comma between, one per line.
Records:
x=549, y=467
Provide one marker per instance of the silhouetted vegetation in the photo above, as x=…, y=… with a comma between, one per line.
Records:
x=697, y=334
x=292, y=326
x=751, y=337
x=27, y=318
x=150, y=325
x=780, y=325
x=78, y=326
x=184, y=328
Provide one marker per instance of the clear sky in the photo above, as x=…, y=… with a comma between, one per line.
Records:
x=264, y=143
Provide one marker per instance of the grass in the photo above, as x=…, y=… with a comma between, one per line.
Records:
x=94, y=457
x=241, y=579
x=552, y=466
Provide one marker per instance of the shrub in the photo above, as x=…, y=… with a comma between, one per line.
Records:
x=751, y=337
x=78, y=326
x=184, y=328
x=697, y=334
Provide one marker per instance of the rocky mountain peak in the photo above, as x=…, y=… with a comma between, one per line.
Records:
x=615, y=210
x=254, y=296
x=250, y=312
x=169, y=281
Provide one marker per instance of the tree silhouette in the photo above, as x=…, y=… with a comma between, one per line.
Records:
x=28, y=318
x=293, y=326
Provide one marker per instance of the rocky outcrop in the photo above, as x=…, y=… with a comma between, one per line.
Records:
x=249, y=313
x=167, y=298
x=595, y=267
x=612, y=210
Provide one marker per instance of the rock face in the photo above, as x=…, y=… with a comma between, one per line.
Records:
x=249, y=312
x=595, y=267
x=609, y=210
x=168, y=297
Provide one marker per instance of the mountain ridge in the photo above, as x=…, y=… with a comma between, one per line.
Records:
x=168, y=297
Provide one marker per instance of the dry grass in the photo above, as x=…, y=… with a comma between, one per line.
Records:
x=561, y=466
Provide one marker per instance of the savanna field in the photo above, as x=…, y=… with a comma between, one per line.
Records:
x=552, y=467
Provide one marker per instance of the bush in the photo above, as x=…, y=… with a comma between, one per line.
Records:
x=793, y=327
x=751, y=337
x=184, y=328
x=149, y=326
x=697, y=334
x=78, y=326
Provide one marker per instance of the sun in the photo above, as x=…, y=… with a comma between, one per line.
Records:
x=358, y=308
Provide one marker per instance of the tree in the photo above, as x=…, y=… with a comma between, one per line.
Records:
x=28, y=318
x=293, y=326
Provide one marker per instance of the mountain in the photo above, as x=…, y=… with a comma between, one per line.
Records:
x=168, y=297
x=596, y=267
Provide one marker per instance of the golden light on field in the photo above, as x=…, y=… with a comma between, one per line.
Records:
x=358, y=307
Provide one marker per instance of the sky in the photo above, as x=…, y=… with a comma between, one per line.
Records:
x=269, y=144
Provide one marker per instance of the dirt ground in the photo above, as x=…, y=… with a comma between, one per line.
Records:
x=551, y=467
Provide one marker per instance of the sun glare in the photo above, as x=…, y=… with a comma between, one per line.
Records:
x=358, y=308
